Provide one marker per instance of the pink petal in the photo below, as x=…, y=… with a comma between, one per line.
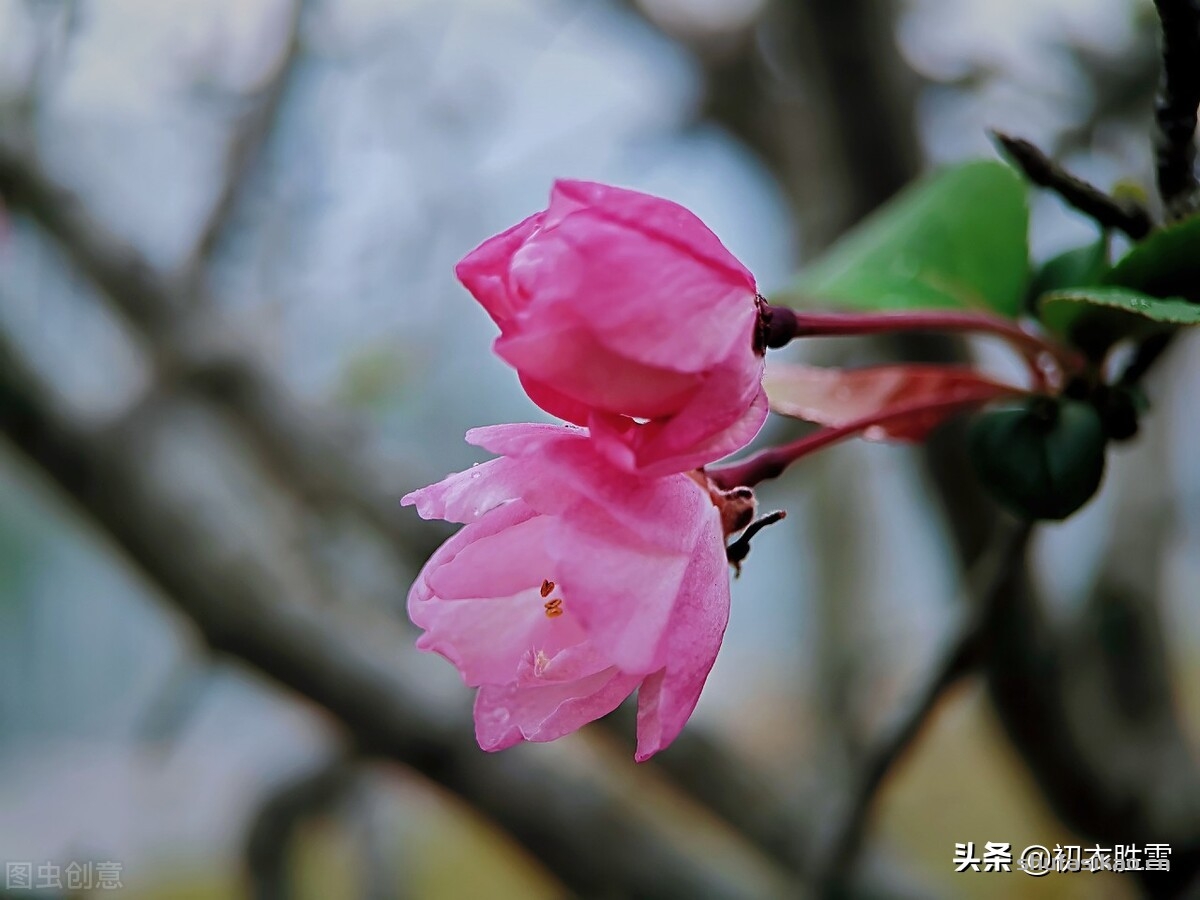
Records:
x=721, y=418
x=566, y=469
x=479, y=602
x=581, y=368
x=508, y=714
x=840, y=397
x=649, y=281
x=663, y=220
x=623, y=595
x=572, y=663
x=465, y=496
x=645, y=300
x=485, y=270
x=667, y=698
x=519, y=439
x=493, y=523
x=555, y=402
x=489, y=639
x=499, y=564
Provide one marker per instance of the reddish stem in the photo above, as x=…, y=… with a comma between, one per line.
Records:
x=782, y=324
x=772, y=462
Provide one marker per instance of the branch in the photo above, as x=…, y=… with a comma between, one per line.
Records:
x=1108, y=212
x=299, y=447
x=193, y=346
x=251, y=133
x=991, y=584
x=739, y=793
x=772, y=462
x=1175, y=109
x=1089, y=703
x=817, y=86
x=591, y=835
x=274, y=827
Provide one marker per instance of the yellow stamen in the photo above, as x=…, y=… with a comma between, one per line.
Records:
x=554, y=608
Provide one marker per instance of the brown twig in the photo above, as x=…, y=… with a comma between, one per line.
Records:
x=991, y=583
x=1108, y=212
x=250, y=134
x=1175, y=109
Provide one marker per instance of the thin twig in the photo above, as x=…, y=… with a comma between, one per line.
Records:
x=774, y=461
x=780, y=325
x=299, y=447
x=989, y=582
x=1109, y=212
x=250, y=135
x=1175, y=109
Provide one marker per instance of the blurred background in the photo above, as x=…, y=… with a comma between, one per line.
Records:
x=231, y=338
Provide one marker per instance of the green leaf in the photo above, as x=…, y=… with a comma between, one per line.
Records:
x=1079, y=267
x=1165, y=264
x=1042, y=460
x=1097, y=317
x=955, y=239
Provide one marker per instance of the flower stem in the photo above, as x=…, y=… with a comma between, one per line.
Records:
x=772, y=462
x=781, y=325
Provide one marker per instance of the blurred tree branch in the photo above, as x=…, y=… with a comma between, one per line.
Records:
x=818, y=90
x=1088, y=700
x=848, y=47
x=755, y=94
x=273, y=829
x=989, y=587
x=585, y=832
x=336, y=786
x=192, y=345
x=251, y=133
x=194, y=349
x=1106, y=211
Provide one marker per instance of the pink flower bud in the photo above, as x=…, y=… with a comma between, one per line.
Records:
x=623, y=312
x=571, y=585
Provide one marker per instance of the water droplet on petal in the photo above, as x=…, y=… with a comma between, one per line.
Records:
x=499, y=715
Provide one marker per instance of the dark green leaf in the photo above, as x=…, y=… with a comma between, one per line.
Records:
x=1078, y=267
x=1098, y=317
x=956, y=239
x=1166, y=264
x=1043, y=460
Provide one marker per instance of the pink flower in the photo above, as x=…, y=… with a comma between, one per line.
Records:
x=571, y=585
x=623, y=312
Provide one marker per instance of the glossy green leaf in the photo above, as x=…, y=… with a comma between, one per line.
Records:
x=956, y=239
x=1079, y=267
x=1098, y=317
x=1042, y=460
x=1165, y=264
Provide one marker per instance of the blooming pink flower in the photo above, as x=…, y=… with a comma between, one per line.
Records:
x=623, y=312
x=571, y=585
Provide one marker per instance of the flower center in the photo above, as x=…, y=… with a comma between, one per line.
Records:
x=553, y=606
